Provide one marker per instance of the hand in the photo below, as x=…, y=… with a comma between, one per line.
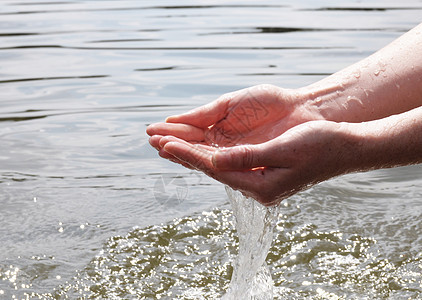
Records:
x=249, y=116
x=281, y=141
x=278, y=168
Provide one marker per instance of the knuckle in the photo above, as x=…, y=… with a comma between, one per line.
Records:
x=247, y=156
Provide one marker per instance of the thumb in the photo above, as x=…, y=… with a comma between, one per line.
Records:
x=239, y=157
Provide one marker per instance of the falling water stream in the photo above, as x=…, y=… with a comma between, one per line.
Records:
x=255, y=223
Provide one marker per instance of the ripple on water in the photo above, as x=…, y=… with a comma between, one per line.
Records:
x=182, y=259
x=190, y=258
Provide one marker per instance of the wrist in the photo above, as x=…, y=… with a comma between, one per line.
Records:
x=323, y=101
x=385, y=143
x=364, y=142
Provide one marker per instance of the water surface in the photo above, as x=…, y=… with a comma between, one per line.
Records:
x=89, y=210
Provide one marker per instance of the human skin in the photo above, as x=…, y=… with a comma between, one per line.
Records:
x=277, y=141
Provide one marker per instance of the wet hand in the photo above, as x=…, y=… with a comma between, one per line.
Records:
x=273, y=170
x=249, y=116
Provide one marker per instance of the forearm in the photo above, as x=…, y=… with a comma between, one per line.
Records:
x=388, y=142
x=387, y=82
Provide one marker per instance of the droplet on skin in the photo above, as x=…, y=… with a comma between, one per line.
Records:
x=377, y=72
x=367, y=91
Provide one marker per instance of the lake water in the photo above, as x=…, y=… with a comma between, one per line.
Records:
x=89, y=210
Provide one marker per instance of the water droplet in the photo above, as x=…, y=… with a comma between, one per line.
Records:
x=61, y=229
x=367, y=91
x=357, y=74
x=35, y=199
x=377, y=72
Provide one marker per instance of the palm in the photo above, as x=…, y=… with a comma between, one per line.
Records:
x=249, y=116
x=250, y=119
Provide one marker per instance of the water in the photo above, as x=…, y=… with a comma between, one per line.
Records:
x=83, y=208
x=251, y=278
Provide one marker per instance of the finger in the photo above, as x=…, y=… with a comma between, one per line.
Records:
x=243, y=157
x=166, y=139
x=197, y=156
x=207, y=114
x=154, y=141
x=200, y=158
x=173, y=159
x=251, y=182
x=183, y=131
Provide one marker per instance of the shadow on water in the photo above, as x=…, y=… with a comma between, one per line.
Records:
x=116, y=109
x=195, y=7
x=260, y=30
x=170, y=7
x=52, y=78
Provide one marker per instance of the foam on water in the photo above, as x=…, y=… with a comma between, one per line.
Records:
x=251, y=278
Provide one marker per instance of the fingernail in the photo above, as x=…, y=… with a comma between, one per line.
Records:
x=168, y=119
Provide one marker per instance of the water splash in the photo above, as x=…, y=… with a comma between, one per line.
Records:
x=251, y=278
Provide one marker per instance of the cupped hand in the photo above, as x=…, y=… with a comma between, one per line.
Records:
x=249, y=116
x=271, y=171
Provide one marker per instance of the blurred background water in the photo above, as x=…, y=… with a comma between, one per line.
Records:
x=89, y=210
